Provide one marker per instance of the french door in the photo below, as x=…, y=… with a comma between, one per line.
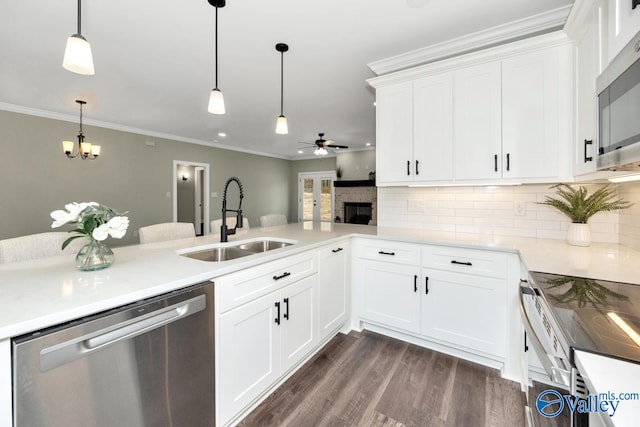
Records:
x=315, y=196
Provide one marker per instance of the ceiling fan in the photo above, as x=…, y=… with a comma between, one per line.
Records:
x=322, y=144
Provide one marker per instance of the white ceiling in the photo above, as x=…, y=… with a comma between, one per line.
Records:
x=154, y=62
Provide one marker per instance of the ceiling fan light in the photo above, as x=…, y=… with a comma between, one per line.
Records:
x=77, y=56
x=216, y=102
x=281, y=125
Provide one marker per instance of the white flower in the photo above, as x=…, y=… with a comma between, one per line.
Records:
x=72, y=213
x=118, y=226
x=101, y=232
x=61, y=218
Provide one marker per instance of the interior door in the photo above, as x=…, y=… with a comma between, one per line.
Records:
x=316, y=196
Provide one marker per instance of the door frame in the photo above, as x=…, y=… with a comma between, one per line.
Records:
x=205, y=199
x=316, y=176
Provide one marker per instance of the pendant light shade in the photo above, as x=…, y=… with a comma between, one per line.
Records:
x=216, y=102
x=77, y=55
x=216, y=99
x=281, y=123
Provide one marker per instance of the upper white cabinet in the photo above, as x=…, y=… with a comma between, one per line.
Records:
x=478, y=122
x=624, y=23
x=536, y=114
x=499, y=115
x=416, y=119
x=394, y=125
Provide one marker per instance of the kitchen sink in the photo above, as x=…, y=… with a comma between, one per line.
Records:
x=239, y=250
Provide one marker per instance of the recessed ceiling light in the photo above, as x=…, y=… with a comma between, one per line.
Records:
x=368, y=144
x=300, y=151
x=222, y=134
x=374, y=103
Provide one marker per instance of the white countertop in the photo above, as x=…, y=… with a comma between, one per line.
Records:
x=42, y=293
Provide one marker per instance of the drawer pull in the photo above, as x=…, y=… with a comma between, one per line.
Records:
x=336, y=250
x=277, y=319
x=282, y=276
x=461, y=263
x=387, y=253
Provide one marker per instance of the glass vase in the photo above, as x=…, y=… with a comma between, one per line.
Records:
x=95, y=255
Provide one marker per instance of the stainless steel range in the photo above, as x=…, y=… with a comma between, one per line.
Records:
x=562, y=314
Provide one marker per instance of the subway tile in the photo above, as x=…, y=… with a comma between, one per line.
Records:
x=493, y=221
x=463, y=220
x=456, y=204
x=515, y=232
x=493, y=205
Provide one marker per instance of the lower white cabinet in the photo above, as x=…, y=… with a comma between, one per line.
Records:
x=390, y=294
x=260, y=341
x=333, y=288
x=465, y=310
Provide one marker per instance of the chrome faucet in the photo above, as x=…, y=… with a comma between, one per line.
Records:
x=224, y=231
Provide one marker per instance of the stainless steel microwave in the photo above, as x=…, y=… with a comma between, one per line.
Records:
x=618, y=89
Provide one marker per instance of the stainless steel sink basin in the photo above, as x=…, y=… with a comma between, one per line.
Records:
x=263, y=246
x=226, y=253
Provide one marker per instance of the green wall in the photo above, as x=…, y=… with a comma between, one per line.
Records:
x=37, y=178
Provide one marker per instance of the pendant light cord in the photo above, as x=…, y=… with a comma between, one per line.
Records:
x=81, y=135
x=216, y=45
x=79, y=17
x=281, y=83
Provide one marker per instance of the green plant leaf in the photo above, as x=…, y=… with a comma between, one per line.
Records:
x=579, y=206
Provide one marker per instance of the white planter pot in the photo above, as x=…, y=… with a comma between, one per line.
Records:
x=579, y=234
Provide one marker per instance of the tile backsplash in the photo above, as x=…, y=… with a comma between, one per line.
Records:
x=499, y=210
x=630, y=218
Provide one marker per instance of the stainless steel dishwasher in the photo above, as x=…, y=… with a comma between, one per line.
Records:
x=150, y=363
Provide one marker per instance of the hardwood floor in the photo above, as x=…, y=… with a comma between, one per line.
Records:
x=367, y=379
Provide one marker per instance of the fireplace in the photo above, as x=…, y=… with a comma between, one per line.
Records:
x=357, y=212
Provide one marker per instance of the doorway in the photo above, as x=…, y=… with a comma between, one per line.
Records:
x=190, y=190
x=316, y=196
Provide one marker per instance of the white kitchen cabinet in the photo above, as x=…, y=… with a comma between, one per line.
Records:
x=415, y=131
x=464, y=310
x=390, y=295
x=261, y=341
x=333, y=288
x=510, y=119
x=394, y=133
x=478, y=122
x=536, y=122
x=623, y=25
x=433, y=128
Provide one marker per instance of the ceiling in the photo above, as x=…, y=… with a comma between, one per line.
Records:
x=155, y=68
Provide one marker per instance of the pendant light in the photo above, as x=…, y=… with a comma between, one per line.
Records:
x=281, y=123
x=86, y=150
x=77, y=54
x=216, y=99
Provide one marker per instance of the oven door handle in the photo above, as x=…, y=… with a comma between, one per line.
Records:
x=556, y=374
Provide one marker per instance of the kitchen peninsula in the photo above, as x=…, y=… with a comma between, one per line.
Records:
x=40, y=294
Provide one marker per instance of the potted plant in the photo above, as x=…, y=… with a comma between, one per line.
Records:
x=339, y=171
x=579, y=207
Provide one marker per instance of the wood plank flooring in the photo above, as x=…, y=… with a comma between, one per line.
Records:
x=367, y=379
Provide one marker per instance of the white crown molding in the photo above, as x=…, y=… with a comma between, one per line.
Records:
x=107, y=125
x=581, y=14
x=546, y=21
x=548, y=40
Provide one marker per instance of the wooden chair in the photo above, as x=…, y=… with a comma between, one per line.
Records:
x=272, y=220
x=36, y=246
x=166, y=231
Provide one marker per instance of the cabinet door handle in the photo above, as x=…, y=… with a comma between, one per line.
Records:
x=336, y=250
x=286, y=308
x=282, y=276
x=426, y=285
x=526, y=346
x=508, y=161
x=408, y=167
x=461, y=263
x=277, y=319
x=415, y=283
x=587, y=142
x=417, y=170
x=387, y=253
x=495, y=163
